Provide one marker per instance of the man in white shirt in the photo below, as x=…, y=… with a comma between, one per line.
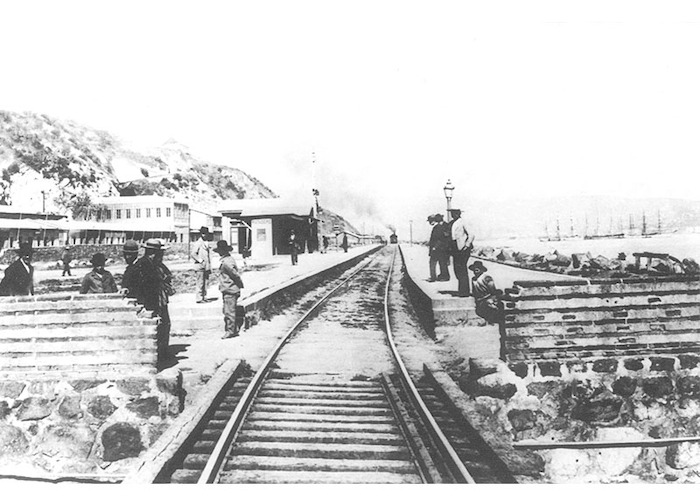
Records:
x=202, y=261
x=462, y=251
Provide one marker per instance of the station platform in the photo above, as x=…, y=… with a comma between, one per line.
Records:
x=452, y=320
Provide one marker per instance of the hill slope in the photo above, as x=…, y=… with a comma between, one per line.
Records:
x=73, y=164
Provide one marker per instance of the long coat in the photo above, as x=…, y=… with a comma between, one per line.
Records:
x=17, y=280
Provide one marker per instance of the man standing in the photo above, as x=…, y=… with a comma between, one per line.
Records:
x=293, y=247
x=156, y=288
x=439, y=245
x=230, y=285
x=462, y=251
x=344, y=244
x=19, y=276
x=66, y=257
x=202, y=259
x=99, y=280
x=131, y=278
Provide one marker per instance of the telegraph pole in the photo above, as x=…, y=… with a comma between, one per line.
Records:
x=410, y=231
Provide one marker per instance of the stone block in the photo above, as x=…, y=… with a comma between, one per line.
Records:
x=522, y=420
x=540, y=390
x=482, y=367
x=657, y=387
x=34, y=408
x=11, y=389
x=607, y=365
x=599, y=409
x=84, y=385
x=101, y=407
x=576, y=366
x=689, y=386
x=634, y=364
x=12, y=440
x=121, y=440
x=42, y=387
x=659, y=364
x=70, y=406
x=624, y=386
x=492, y=386
x=67, y=441
x=4, y=410
x=170, y=381
x=145, y=407
x=133, y=386
x=683, y=455
x=549, y=369
x=520, y=369
x=688, y=361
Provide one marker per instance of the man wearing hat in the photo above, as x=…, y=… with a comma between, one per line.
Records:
x=19, y=276
x=155, y=290
x=462, y=251
x=66, y=257
x=486, y=295
x=202, y=261
x=438, y=248
x=230, y=285
x=99, y=280
x=131, y=279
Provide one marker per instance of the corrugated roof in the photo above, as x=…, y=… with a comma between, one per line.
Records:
x=61, y=225
x=265, y=207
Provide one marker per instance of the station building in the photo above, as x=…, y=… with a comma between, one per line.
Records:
x=42, y=229
x=215, y=223
x=262, y=226
x=120, y=218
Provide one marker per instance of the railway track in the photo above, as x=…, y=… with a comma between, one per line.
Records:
x=317, y=413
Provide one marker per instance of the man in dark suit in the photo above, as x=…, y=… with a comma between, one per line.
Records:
x=19, y=276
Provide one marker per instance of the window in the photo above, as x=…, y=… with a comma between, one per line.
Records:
x=128, y=213
x=157, y=212
x=138, y=213
x=168, y=211
x=119, y=213
x=108, y=214
x=148, y=212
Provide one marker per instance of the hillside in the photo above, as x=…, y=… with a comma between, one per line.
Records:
x=73, y=164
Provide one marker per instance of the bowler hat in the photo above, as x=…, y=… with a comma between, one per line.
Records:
x=438, y=217
x=155, y=244
x=222, y=246
x=204, y=229
x=478, y=265
x=25, y=248
x=98, y=259
x=130, y=246
x=455, y=211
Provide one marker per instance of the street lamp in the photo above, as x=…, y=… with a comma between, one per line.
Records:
x=448, y=195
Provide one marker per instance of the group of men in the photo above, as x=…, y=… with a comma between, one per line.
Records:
x=454, y=240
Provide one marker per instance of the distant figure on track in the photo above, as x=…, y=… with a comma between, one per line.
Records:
x=156, y=288
x=293, y=247
x=19, y=276
x=132, y=279
x=202, y=259
x=486, y=295
x=462, y=251
x=230, y=285
x=99, y=280
x=66, y=258
x=325, y=244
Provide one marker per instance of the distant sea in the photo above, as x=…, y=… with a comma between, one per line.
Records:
x=680, y=246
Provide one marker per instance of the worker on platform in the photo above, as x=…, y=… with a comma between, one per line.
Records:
x=463, y=244
x=486, y=295
x=99, y=280
x=19, y=276
x=66, y=258
x=439, y=247
x=131, y=280
x=293, y=243
x=344, y=244
x=155, y=290
x=202, y=261
x=230, y=285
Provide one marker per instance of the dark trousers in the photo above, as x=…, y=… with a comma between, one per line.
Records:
x=459, y=263
x=66, y=269
x=229, y=305
x=201, y=290
x=295, y=257
x=163, y=337
x=439, y=259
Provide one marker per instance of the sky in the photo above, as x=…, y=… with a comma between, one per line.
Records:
x=507, y=99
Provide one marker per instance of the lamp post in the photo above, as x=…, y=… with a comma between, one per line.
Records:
x=448, y=196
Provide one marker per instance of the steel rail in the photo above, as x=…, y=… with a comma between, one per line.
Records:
x=452, y=460
x=212, y=469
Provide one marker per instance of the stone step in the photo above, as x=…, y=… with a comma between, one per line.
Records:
x=88, y=317
x=60, y=297
x=64, y=307
x=323, y=450
x=365, y=396
x=350, y=403
x=286, y=436
x=250, y=462
x=58, y=362
x=322, y=410
x=79, y=332
x=311, y=417
x=317, y=426
x=69, y=346
x=299, y=477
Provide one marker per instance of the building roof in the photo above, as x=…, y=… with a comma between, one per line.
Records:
x=13, y=210
x=61, y=225
x=264, y=207
x=129, y=200
x=150, y=225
